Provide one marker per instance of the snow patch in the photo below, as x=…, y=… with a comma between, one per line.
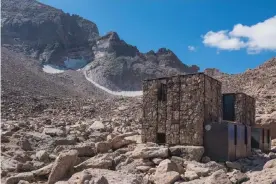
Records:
x=51, y=69
x=117, y=93
x=75, y=64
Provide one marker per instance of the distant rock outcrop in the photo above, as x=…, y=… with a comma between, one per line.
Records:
x=120, y=66
x=57, y=38
x=46, y=33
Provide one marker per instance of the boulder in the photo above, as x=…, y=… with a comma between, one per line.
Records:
x=84, y=149
x=166, y=178
x=233, y=165
x=97, y=126
x=44, y=171
x=190, y=175
x=132, y=165
x=102, y=147
x=198, y=169
x=238, y=177
x=143, y=168
x=109, y=175
x=23, y=182
x=121, y=141
x=218, y=177
x=99, y=161
x=187, y=152
x=21, y=156
x=267, y=175
x=177, y=160
x=26, y=176
x=65, y=141
x=100, y=180
x=25, y=167
x=150, y=152
x=272, y=155
x=4, y=139
x=25, y=145
x=82, y=177
x=270, y=164
x=135, y=138
x=166, y=172
x=63, y=165
x=157, y=160
x=42, y=155
x=166, y=166
x=8, y=164
x=202, y=169
x=53, y=131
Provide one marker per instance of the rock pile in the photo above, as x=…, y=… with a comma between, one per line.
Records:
x=92, y=141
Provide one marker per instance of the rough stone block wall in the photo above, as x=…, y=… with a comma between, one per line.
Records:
x=162, y=108
x=190, y=101
x=192, y=109
x=213, y=105
x=149, y=125
x=251, y=110
x=244, y=109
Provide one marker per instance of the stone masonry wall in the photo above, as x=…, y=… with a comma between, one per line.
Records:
x=244, y=109
x=190, y=101
x=173, y=106
x=192, y=109
x=162, y=109
x=213, y=105
x=149, y=125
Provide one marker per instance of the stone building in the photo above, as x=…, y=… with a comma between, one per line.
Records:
x=176, y=108
x=191, y=110
x=239, y=107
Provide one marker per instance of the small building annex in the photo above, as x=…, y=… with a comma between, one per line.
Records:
x=191, y=110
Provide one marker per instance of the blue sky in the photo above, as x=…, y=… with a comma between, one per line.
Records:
x=182, y=24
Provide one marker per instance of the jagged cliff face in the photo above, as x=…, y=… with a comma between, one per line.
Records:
x=46, y=33
x=120, y=66
x=54, y=37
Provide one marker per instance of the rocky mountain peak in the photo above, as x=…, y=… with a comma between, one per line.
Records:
x=164, y=51
x=46, y=33
x=111, y=36
x=269, y=63
x=54, y=37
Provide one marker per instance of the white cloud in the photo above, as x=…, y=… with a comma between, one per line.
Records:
x=222, y=40
x=255, y=38
x=191, y=48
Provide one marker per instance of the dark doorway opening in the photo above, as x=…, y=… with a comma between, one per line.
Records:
x=255, y=137
x=268, y=136
x=228, y=107
x=161, y=138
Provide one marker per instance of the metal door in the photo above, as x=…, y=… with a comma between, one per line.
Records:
x=248, y=146
x=231, y=142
